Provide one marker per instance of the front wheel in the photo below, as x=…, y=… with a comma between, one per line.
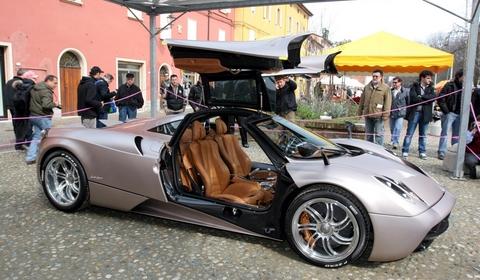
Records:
x=328, y=226
x=64, y=181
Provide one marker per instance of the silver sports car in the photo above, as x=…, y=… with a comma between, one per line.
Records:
x=235, y=167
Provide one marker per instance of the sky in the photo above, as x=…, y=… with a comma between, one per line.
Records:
x=411, y=19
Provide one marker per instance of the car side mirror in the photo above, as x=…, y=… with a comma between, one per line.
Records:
x=306, y=149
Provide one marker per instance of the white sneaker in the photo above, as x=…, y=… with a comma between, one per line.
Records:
x=423, y=156
x=405, y=155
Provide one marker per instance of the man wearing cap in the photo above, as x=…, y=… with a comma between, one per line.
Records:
x=88, y=104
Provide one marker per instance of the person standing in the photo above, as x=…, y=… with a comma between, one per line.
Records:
x=175, y=96
x=88, y=104
x=421, y=115
x=450, y=106
x=375, y=104
x=130, y=99
x=21, y=103
x=475, y=103
x=19, y=126
x=472, y=152
x=104, y=95
x=41, y=111
x=196, y=97
x=286, y=104
x=398, y=110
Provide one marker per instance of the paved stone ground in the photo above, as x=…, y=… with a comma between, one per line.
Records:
x=39, y=242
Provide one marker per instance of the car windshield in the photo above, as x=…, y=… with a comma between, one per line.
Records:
x=288, y=136
x=237, y=91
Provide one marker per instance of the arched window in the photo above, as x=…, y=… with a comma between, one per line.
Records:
x=69, y=60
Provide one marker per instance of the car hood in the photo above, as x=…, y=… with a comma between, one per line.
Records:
x=379, y=161
x=377, y=165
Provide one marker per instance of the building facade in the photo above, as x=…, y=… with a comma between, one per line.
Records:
x=267, y=21
x=67, y=37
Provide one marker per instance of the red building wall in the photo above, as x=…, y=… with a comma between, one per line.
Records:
x=34, y=34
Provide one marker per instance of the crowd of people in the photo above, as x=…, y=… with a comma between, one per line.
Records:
x=31, y=104
x=95, y=100
x=380, y=103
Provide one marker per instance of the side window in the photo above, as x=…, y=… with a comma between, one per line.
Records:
x=167, y=129
x=255, y=152
x=246, y=143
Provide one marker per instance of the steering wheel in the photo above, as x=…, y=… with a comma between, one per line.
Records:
x=291, y=145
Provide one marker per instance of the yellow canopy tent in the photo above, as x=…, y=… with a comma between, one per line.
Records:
x=390, y=53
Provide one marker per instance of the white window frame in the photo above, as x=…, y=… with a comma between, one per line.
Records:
x=137, y=13
x=221, y=35
x=8, y=58
x=278, y=18
x=251, y=35
x=167, y=32
x=191, y=29
x=143, y=73
x=74, y=2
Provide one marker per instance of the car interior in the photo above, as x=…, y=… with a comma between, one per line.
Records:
x=215, y=165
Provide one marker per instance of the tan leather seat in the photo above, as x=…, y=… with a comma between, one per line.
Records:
x=187, y=172
x=215, y=174
x=236, y=159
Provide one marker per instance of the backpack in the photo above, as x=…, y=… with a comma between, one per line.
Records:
x=21, y=97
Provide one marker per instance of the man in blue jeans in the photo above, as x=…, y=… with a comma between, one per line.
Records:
x=41, y=111
x=450, y=106
x=420, y=93
x=130, y=99
x=398, y=110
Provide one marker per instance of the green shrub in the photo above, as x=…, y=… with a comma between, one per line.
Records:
x=336, y=109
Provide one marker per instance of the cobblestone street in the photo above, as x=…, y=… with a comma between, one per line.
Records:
x=39, y=242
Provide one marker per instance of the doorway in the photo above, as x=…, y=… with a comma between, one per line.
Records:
x=3, y=110
x=70, y=75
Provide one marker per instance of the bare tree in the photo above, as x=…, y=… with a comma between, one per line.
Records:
x=455, y=42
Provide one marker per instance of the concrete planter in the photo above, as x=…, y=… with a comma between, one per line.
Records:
x=333, y=128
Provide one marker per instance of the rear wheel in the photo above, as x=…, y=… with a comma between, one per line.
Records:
x=328, y=226
x=64, y=181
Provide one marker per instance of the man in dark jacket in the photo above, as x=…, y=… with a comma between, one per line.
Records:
x=398, y=110
x=175, y=96
x=450, y=106
x=195, y=96
x=472, y=152
x=21, y=128
x=421, y=115
x=41, y=105
x=130, y=99
x=88, y=103
x=286, y=104
x=476, y=103
x=105, y=95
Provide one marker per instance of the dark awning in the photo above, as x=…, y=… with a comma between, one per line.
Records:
x=175, y=6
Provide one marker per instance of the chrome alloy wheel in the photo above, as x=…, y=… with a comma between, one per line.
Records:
x=62, y=181
x=325, y=230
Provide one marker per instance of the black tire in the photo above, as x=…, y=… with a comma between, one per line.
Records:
x=307, y=237
x=81, y=190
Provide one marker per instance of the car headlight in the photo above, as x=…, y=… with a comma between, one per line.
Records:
x=398, y=187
